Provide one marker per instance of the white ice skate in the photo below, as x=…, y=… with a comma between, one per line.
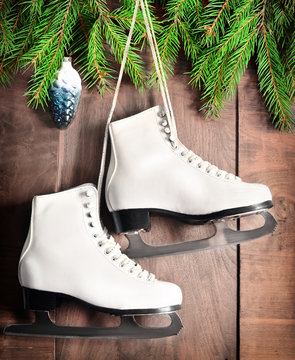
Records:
x=152, y=172
x=68, y=254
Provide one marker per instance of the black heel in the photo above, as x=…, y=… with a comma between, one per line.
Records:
x=38, y=300
x=131, y=220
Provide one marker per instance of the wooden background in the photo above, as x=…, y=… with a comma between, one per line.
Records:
x=239, y=302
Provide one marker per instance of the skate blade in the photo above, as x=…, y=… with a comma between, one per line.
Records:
x=223, y=236
x=128, y=329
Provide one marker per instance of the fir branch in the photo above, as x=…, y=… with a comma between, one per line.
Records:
x=231, y=87
x=17, y=18
x=117, y=39
x=243, y=10
x=7, y=19
x=197, y=74
x=214, y=21
x=218, y=40
x=210, y=28
x=47, y=54
x=190, y=46
x=214, y=100
x=96, y=71
x=230, y=40
x=271, y=82
x=289, y=70
x=61, y=34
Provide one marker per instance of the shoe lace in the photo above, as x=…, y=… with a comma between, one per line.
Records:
x=195, y=159
x=111, y=248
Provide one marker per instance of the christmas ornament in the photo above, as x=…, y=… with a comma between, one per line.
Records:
x=65, y=95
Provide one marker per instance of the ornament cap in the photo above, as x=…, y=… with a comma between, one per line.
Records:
x=67, y=59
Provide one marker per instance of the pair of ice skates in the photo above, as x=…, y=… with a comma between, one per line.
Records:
x=69, y=253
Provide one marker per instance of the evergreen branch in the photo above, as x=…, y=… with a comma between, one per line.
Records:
x=121, y=52
x=3, y=32
x=272, y=83
x=210, y=29
x=83, y=27
x=197, y=71
x=1, y=4
x=36, y=96
x=172, y=26
x=263, y=12
x=117, y=17
x=239, y=30
x=51, y=19
x=238, y=63
x=191, y=48
x=286, y=61
x=28, y=37
x=248, y=3
x=198, y=13
x=17, y=18
x=133, y=65
x=218, y=40
x=178, y=6
x=215, y=102
x=35, y=59
x=95, y=59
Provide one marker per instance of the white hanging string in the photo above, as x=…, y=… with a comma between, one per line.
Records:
x=161, y=79
x=106, y=132
x=157, y=59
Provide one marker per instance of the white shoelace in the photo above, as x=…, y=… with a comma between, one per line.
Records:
x=111, y=248
x=195, y=159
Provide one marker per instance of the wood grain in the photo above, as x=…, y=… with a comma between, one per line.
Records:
x=267, y=265
x=28, y=163
x=208, y=279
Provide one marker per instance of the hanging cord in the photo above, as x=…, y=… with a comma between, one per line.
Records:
x=106, y=132
x=157, y=61
x=161, y=78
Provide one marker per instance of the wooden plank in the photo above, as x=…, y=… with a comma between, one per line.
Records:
x=267, y=265
x=208, y=279
x=28, y=166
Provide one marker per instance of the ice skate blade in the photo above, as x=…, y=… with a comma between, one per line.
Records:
x=128, y=329
x=223, y=236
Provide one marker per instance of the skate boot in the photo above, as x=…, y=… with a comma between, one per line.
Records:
x=68, y=254
x=152, y=172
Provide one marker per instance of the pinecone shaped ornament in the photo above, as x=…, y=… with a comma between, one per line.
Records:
x=65, y=95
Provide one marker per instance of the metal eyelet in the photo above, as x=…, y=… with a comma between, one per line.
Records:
x=89, y=193
x=89, y=205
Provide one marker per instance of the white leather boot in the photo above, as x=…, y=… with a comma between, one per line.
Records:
x=68, y=254
x=152, y=172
